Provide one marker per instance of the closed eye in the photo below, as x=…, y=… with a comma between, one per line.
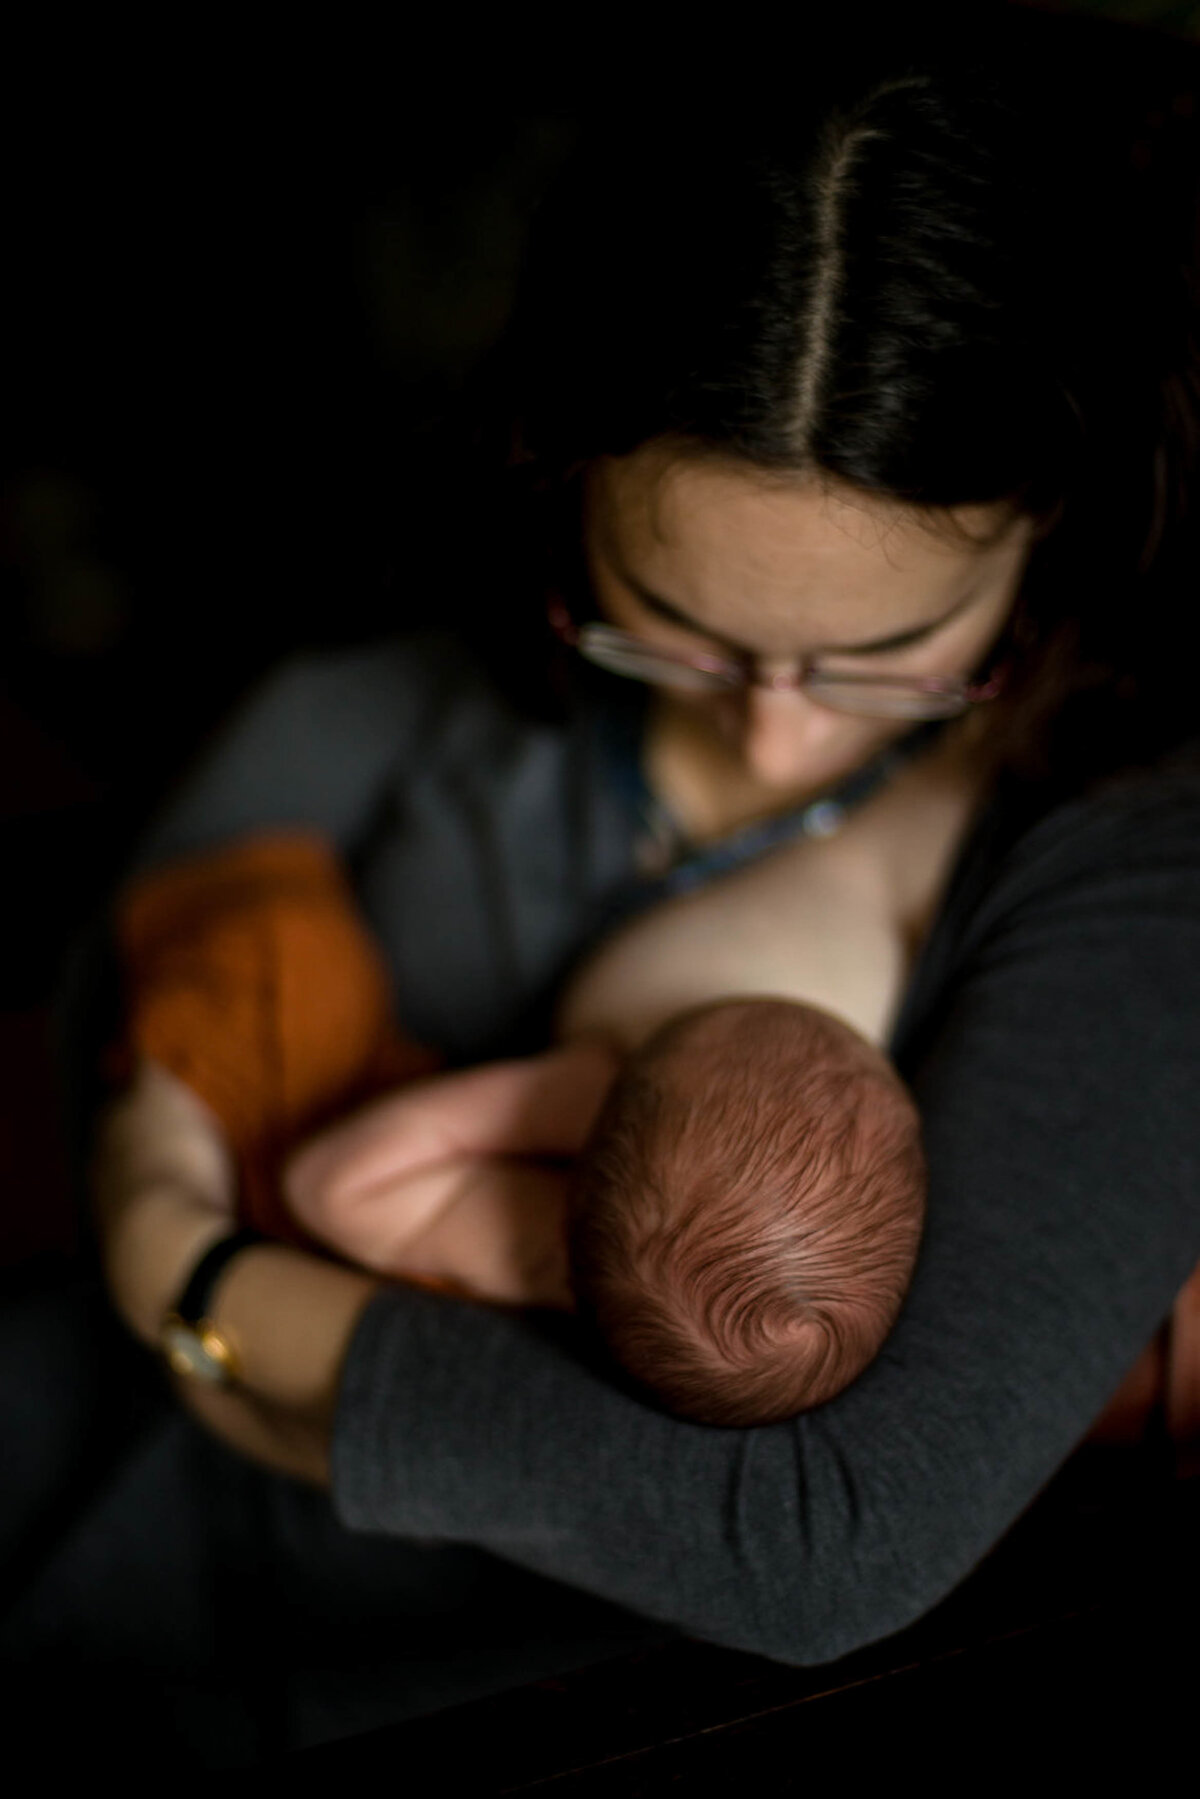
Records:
x=880, y=647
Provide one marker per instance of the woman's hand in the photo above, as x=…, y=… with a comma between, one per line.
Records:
x=164, y=1190
x=164, y=1185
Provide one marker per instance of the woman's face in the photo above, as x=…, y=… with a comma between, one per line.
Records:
x=702, y=558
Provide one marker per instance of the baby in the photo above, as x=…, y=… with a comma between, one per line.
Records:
x=740, y=1226
x=745, y=1205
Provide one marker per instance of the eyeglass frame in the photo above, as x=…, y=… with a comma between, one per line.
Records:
x=969, y=693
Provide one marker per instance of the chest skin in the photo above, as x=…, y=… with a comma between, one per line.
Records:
x=837, y=922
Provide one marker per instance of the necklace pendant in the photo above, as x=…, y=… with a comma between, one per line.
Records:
x=824, y=818
x=651, y=857
x=660, y=844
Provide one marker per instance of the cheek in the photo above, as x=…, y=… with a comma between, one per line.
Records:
x=845, y=742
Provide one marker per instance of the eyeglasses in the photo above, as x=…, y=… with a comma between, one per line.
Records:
x=875, y=696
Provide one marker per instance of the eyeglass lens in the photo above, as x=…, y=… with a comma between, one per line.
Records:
x=875, y=696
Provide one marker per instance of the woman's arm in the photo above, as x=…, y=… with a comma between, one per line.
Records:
x=1057, y=1087
x=1057, y=1093
x=318, y=742
x=292, y=1317
x=163, y=1192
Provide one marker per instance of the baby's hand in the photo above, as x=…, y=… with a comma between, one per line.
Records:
x=374, y=1184
x=502, y=1237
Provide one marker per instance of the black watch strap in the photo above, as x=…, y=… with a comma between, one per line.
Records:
x=193, y=1302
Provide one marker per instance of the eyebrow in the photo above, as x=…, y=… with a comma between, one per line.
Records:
x=899, y=641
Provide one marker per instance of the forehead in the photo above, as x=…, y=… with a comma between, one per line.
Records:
x=725, y=542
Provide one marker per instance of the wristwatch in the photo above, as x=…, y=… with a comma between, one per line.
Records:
x=187, y=1337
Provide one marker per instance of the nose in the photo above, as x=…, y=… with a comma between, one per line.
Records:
x=786, y=739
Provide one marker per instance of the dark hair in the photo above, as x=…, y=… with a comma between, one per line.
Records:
x=745, y=1219
x=953, y=275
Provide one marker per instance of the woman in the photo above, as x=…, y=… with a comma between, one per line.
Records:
x=863, y=412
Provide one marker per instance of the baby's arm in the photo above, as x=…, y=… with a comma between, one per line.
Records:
x=424, y=1182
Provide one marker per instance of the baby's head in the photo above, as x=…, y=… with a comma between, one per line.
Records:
x=746, y=1216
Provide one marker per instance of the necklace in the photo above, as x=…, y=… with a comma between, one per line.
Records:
x=665, y=861
x=669, y=860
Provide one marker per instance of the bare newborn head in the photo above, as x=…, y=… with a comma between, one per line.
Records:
x=745, y=1219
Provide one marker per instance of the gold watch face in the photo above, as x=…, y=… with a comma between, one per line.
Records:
x=200, y=1354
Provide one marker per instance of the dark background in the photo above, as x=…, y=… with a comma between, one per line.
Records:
x=231, y=308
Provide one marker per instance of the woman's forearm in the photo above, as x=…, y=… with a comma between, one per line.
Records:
x=288, y=1316
x=163, y=1193
x=161, y=1232
x=277, y=1439
x=290, y=1319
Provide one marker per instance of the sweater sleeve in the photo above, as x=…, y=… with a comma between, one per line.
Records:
x=1057, y=1089
x=316, y=742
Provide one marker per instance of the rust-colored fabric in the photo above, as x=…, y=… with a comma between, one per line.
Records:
x=1166, y=1378
x=1181, y=1396
x=249, y=975
x=1128, y=1412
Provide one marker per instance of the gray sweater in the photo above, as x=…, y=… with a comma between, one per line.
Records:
x=1050, y=1033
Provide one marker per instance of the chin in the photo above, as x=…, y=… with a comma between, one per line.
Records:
x=801, y=788
x=817, y=777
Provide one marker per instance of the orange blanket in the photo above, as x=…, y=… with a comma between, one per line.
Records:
x=250, y=976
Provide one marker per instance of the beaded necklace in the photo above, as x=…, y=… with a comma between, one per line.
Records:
x=665, y=859
x=667, y=856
